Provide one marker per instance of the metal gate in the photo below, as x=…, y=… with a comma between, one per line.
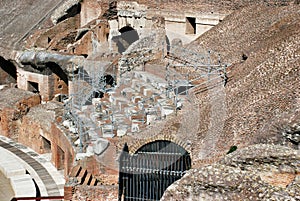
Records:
x=146, y=174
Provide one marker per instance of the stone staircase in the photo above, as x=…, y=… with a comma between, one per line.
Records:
x=83, y=177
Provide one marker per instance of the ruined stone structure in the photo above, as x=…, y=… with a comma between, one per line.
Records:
x=80, y=79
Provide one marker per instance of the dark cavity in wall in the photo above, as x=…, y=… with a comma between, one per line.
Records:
x=71, y=12
x=8, y=72
x=46, y=145
x=56, y=69
x=127, y=37
x=109, y=80
x=33, y=87
x=190, y=25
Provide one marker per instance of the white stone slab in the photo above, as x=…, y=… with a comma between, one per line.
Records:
x=23, y=186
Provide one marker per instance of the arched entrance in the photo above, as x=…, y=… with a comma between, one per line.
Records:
x=147, y=173
x=127, y=37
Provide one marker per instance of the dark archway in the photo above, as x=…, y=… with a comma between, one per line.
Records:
x=146, y=174
x=127, y=37
x=8, y=72
x=109, y=80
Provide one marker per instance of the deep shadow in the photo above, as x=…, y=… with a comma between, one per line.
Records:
x=127, y=37
x=71, y=12
x=56, y=69
x=168, y=44
x=151, y=170
x=109, y=80
x=10, y=69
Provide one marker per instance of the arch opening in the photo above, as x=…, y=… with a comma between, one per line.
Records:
x=127, y=37
x=147, y=173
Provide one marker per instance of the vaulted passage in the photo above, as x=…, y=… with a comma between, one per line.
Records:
x=127, y=37
x=146, y=174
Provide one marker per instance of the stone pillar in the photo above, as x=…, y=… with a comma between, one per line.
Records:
x=66, y=164
x=72, y=89
x=55, y=155
x=21, y=79
x=46, y=87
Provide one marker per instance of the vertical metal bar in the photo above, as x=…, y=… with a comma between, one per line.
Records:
x=133, y=176
x=146, y=176
x=139, y=179
x=125, y=180
x=159, y=187
x=141, y=175
x=130, y=179
x=151, y=177
x=144, y=188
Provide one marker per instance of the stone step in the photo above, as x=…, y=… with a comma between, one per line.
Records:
x=23, y=186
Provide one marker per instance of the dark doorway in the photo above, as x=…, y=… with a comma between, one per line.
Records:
x=190, y=25
x=109, y=80
x=146, y=174
x=8, y=72
x=46, y=145
x=61, y=158
x=33, y=87
x=128, y=36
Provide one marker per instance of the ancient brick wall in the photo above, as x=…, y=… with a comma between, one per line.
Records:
x=40, y=131
x=14, y=104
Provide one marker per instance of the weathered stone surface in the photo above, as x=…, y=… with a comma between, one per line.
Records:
x=19, y=18
x=69, y=63
x=242, y=176
x=261, y=99
x=14, y=104
x=69, y=8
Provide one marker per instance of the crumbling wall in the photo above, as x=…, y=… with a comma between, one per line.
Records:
x=90, y=10
x=151, y=47
x=41, y=124
x=14, y=104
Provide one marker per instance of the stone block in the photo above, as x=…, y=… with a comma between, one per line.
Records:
x=100, y=146
x=23, y=186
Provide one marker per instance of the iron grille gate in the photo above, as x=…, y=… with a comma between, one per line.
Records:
x=146, y=174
